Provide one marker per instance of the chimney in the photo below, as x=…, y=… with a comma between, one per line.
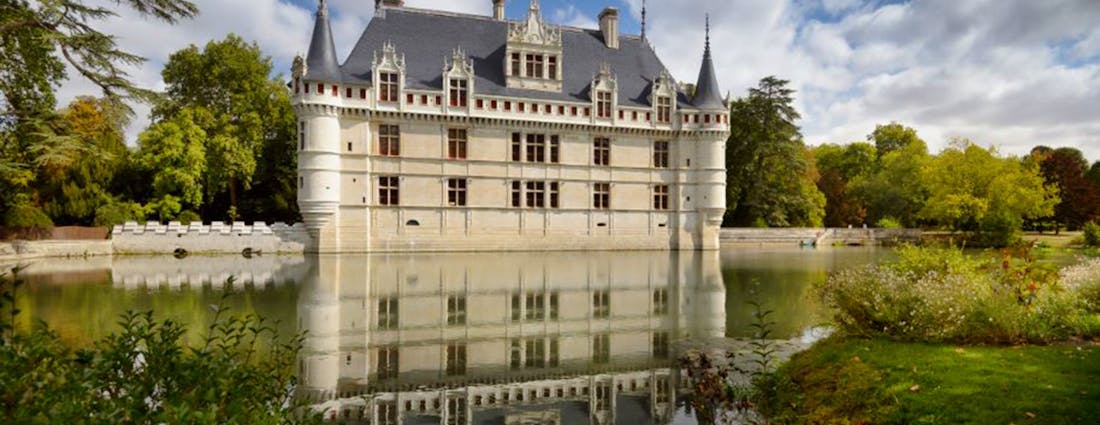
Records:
x=609, y=26
x=388, y=3
x=498, y=10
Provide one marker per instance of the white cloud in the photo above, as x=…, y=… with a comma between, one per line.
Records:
x=570, y=15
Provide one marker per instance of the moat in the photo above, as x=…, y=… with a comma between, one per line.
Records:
x=465, y=338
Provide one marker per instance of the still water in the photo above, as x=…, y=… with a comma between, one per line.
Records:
x=464, y=338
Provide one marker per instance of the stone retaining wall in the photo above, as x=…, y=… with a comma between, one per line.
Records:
x=22, y=250
x=800, y=236
x=215, y=238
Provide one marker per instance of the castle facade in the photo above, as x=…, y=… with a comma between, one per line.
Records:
x=454, y=132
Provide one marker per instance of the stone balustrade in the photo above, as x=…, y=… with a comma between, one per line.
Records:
x=215, y=238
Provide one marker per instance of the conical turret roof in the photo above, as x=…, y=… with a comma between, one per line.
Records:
x=322, y=63
x=707, y=94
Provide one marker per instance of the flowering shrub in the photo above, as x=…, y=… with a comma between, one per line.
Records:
x=936, y=295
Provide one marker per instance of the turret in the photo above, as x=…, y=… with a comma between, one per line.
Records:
x=319, y=128
x=707, y=95
x=710, y=175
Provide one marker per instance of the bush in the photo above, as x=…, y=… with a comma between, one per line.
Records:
x=188, y=217
x=889, y=223
x=942, y=295
x=1000, y=229
x=118, y=213
x=27, y=216
x=1092, y=234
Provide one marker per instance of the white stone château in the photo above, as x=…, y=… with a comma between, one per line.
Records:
x=454, y=132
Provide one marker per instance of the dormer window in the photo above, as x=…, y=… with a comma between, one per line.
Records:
x=516, y=64
x=534, y=66
x=664, y=109
x=603, y=104
x=387, y=87
x=458, y=93
x=552, y=68
x=533, y=54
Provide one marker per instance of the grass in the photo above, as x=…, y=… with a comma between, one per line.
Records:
x=884, y=382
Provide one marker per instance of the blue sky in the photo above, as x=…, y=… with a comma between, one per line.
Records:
x=1007, y=73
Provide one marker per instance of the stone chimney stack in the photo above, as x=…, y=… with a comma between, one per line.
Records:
x=498, y=10
x=389, y=3
x=609, y=27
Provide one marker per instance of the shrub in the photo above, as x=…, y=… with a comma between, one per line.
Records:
x=889, y=223
x=188, y=217
x=937, y=295
x=27, y=216
x=118, y=212
x=1092, y=234
x=1000, y=229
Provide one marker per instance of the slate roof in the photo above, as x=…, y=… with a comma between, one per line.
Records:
x=427, y=38
x=321, y=61
x=706, y=90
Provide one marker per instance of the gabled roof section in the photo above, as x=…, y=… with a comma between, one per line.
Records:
x=427, y=39
x=321, y=64
x=707, y=94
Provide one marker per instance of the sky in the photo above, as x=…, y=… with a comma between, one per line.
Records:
x=1007, y=73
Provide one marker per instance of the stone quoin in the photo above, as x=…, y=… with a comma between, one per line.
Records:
x=452, y=132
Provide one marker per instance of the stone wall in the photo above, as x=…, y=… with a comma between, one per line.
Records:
x=21, y=250
x=820, y=236
x=215, y=238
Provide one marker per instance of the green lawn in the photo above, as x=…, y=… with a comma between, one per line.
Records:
x=877, y=381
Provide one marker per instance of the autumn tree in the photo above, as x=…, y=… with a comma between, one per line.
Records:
x=838, y=166
x=248, y=122
x=1066, y=169
x=768, y=168
x=977, y=190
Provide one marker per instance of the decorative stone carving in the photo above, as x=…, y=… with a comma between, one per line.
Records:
x=534, y=30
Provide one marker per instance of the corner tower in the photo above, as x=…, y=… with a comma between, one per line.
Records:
x=710, y=176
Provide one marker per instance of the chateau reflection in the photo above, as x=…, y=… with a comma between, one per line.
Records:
x=539, y=338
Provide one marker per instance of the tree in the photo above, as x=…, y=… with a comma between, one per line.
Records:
x=769, y=179
x=1094, y=174
x=248, y=121
x=1065, y=169
x=174, y=153
x=892, y=137
x=838, y=167
x=894, y=189
x=38, y=42
x=975, y=189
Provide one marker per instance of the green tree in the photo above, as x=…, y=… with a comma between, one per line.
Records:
x=250, y=126
x=39, y=41
x=894, y=190
x=976, y=189
x=174, y=153
x=769, y=177
x=838, y=167
x=892, y=137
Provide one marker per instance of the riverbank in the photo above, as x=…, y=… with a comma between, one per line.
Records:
x=28, y=250
x=880, y=381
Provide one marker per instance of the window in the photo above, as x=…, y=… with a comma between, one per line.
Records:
x=536, y=148
x=536, y=353
x=554, y=354
x=555, y=195
x=456, y=192
x=601, y=349
x=660, y=197
x=601, y=196
x=389, y=191
x=552, y=73
x=389, y=140
x=458, y=92
x=517, y=194
x=660, y=154
x=456, y=310
x=387, y=313
x=456, y=411
x=387, y=413
x=603, y=104
x=456, y=143
x=516, y=358
x=388, y=365
x=536, y=306
x=660, y=345
x=555, y=149
x=601, y=304
x=387, y=87
x=601, y=151
x=660, y=301
x=664, y=109
x=347, y=92
x=535, y=194
x=456, y=359
x=515, y=64
x=516, y=308
x=302, y=135
x=362, y=93
x=534, y=66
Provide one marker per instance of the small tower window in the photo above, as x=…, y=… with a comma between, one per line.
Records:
x=387, y=87
x=603, y=104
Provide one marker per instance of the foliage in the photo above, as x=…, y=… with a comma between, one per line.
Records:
x=770, y=176
x=174, y=152
x=895, y=187
x=893, y=137
x=118, y=212
x=889, y=223
x=975, y=189
x=1092, y=234
x=838, y=166
x=26, y=216
x=842, y=381
x=1065, y=169
x=248, y=123
x=1084, y=279
x=941, y=294
x=188, y=217
x=146, y=373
